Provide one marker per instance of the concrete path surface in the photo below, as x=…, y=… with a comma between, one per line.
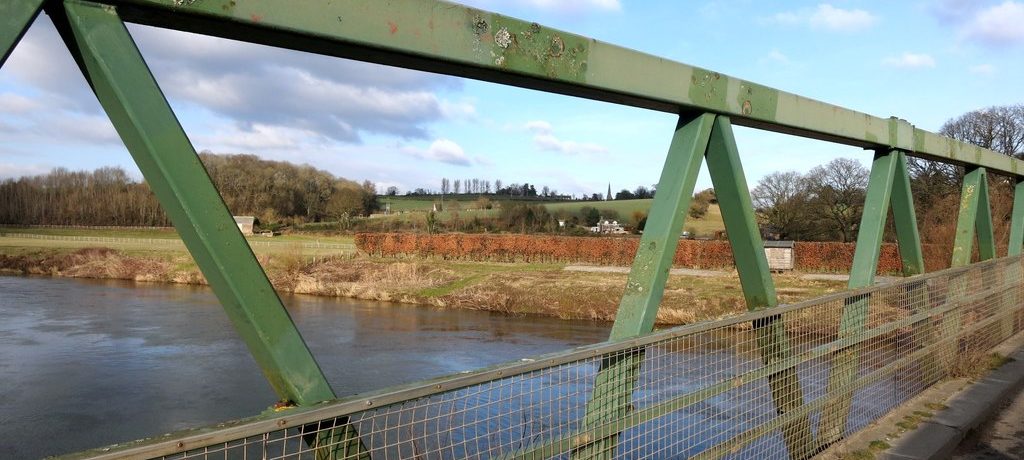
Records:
x=1002, y=438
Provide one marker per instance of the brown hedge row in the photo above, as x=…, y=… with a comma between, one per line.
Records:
x=810, y=256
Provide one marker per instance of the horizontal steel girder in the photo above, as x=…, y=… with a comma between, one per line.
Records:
x=448, y=38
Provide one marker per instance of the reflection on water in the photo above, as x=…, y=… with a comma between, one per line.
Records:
x=87, y=363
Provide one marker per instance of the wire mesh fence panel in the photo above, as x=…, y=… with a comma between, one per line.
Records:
x=700, y=391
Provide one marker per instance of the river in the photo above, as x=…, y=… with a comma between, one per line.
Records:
x=86, y=363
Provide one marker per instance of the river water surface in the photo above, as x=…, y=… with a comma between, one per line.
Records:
x=86, y=363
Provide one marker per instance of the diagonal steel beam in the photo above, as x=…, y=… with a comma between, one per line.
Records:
x=733, y=195
x=613, y=387
x=129, y=94
x=1016, y=243
x=974, y=218
x=905, y=220
x=16, y=16
x=855, y=310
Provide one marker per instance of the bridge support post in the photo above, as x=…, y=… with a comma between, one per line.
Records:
x=696, y=137
x=16, y=16
x=744, y=234
x=888, y=183
x=855, y=310
x=974, y=217
x=1014, y=248
x=645, y=286
x=1016, y=243
x=121, y=80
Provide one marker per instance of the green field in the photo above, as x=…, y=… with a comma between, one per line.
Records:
x=410, y=210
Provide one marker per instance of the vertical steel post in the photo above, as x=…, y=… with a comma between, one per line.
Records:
x=1016, y=243
x=16, y=16
x=974, y=217
x=756, y=280
x=126, y=89
x=1014, y=248
x=975, y=189
x=613, y=386
x=855, y=310
x=905, y=220
x=983, y=225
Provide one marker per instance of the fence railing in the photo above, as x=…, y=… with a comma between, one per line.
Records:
x=168, y=242
x=702, y=391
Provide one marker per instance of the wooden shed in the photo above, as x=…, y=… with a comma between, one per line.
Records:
x=245, y=224
x=779, y=255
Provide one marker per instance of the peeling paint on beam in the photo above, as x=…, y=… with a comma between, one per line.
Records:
x=447, y=38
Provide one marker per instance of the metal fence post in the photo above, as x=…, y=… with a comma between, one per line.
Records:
x=126, y=89
x=613, y=386
x=756, y=281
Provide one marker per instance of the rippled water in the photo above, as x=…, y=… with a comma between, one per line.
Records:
x=86, y=363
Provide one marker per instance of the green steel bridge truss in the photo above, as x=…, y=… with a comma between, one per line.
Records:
x=447, y=38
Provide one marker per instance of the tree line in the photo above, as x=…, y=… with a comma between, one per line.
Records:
x=827, y=202
x=273, y=191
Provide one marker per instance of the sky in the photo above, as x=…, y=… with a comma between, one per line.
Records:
x=924, y=61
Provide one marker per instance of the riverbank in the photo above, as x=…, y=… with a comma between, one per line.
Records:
x=511, y=288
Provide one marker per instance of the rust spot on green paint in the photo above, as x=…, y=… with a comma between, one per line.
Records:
x=525, y=47
x=480, y=25
x=757, y=101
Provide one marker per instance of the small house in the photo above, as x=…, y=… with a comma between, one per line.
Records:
x=245, y=224
x=779, y=255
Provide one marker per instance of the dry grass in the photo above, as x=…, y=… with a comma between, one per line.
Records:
x=544, y=289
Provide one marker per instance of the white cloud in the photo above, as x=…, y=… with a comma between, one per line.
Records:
x=910, y=61
x=545, y=139
x=539, y=126
x=246, y=84
x=441, y=150
x=609, y=5
x=775, y=57
x=998, y=25
x=257, y=138
x=983, y=69
x=11, y=103
x=11, y=171
x=827, y=17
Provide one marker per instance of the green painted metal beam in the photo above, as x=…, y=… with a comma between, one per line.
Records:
x=1016, y=243
x=613, y=387
x=744, y=234
x=448, y=38
x=905, y=220
x=16, y=16
x=872, y=222
x=133, y=101
x=983, y=224
x=855, y=310
x=646, y=283
x=974, y=189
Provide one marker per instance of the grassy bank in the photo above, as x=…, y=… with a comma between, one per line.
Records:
x=544, y=289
